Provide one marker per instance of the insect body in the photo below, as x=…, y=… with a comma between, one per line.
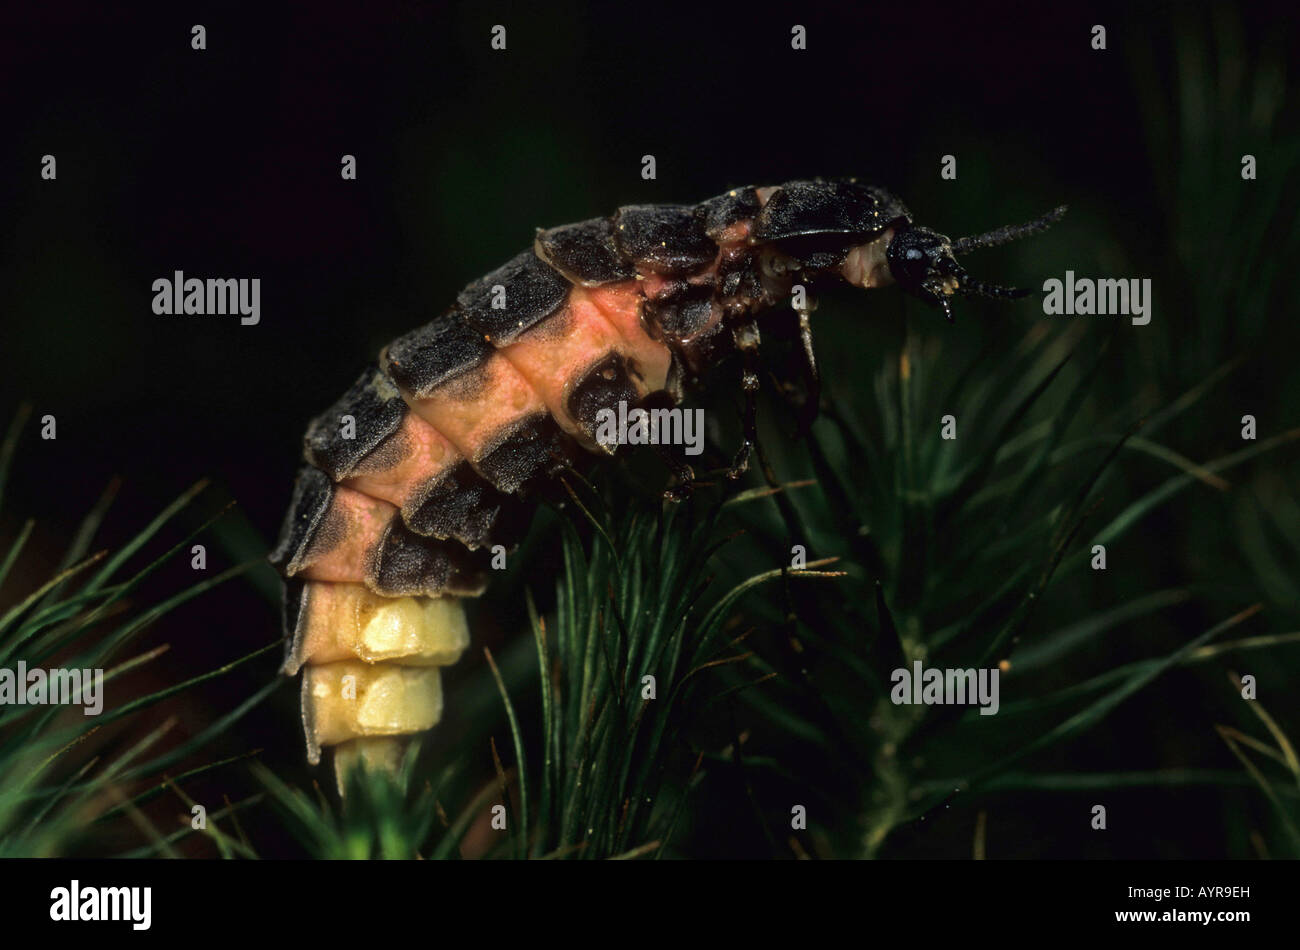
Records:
x=436, y=454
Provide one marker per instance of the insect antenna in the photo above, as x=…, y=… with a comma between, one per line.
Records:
x=971, y=287
x=1009, y=233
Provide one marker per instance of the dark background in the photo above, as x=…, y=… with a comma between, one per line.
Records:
x=225, y=163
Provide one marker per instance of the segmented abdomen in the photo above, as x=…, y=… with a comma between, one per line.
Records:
x=432, y=456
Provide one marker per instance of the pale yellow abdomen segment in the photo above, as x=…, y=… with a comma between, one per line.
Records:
x=371, y=669
x=349, y=622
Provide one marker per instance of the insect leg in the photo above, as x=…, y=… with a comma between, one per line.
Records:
x=681, y=471
x=747, y=340
x=812, y=378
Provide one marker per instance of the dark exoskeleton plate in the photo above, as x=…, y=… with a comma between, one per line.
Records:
x=305, y=528
x=601, y=387
x=585, y=252
x=377, y=410
x=527, y=455
x=720, y=213
x=463, y=506
x=666, y=239
x=682, y=313
x=513, y=298
x=437, y=352
x=805, y=208
x=817, y=222
x=407, y=564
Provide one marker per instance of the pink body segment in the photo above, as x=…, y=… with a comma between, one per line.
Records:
x=426, y=454
x=622, y=305
x=556, y=352
x=352, y=530
x=473, y=411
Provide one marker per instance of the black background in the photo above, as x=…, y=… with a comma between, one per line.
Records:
x=225, y=163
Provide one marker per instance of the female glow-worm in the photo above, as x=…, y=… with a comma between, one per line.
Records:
x=437, y=453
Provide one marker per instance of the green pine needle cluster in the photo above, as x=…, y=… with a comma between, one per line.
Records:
x=71, y=783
